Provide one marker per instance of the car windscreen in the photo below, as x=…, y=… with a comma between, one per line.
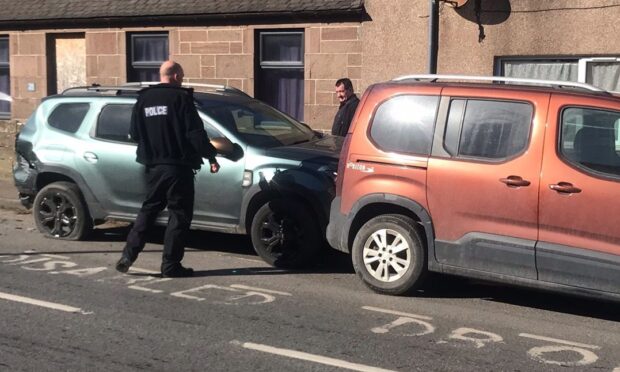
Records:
x=258, y=124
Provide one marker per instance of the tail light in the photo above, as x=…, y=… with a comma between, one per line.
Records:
x=342, y=163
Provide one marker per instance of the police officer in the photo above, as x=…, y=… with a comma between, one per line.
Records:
x=171, y=144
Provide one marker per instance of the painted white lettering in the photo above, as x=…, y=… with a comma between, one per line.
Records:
x=427, y=328
x=52, y=265
x=461, y=334
x=538, y=354
x=149, y=281
x=21, y=257
x=42, y=259
x=81, y=272
x=184, y=294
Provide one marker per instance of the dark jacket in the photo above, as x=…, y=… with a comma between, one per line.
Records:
x=343, y=117
x=167, y=127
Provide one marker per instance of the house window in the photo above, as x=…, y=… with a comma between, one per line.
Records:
x=603, y=72
x=146, y=53
x=5, y=80
x=280, y=70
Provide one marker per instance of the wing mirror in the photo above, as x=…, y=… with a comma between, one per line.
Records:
x=227, y=149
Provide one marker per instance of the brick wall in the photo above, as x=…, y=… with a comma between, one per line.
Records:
x=28, y=72
x=106, y=57
x=332, y=52
x=215, y=55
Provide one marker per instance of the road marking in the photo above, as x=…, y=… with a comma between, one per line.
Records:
x=402, y=321
x=460, y=334
x=309, y=357
x=587, y=357
x=144, y=271
x=396, y=313
x=149, y=281
x=558, y=341
x=49, y=305
x=239, y=286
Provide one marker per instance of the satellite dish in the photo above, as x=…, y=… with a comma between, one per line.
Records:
x=456, y=3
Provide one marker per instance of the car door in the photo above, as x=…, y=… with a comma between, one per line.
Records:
x=218, y=196
x=116, y=179
x=579, y=242
x=483, y=180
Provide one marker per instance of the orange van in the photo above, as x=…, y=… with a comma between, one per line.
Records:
x=509, y=180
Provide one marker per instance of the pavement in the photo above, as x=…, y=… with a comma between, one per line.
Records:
x=8, y=196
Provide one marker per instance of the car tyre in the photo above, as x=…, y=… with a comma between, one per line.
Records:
x=61, y=213
x=388, y=254
x=285, y=234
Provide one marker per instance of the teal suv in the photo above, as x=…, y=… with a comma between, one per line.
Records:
x=75, y=166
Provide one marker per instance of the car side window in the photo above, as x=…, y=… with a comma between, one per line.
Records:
x=590, y=139
x=493, y=130
x=68, y=116
x=405, y=124
x=113, y=123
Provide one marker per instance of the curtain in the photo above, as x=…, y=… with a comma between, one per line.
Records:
x=604, y=75
x=150, y=48
x=546, y=70
x=281, y=84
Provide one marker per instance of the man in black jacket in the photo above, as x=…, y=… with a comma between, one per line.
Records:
x=171, y=144
x=348, y=105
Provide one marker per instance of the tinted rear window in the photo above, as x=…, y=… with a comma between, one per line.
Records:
x=68, y=116
x=487, y=129
x=405, y=124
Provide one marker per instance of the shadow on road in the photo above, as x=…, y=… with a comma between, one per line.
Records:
x=444, y=286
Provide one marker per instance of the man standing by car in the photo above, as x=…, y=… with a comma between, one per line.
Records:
x=348, y=105
x=171, y=144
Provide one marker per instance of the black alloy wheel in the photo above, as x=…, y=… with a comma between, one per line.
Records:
x=285, y=234
x=60, y=212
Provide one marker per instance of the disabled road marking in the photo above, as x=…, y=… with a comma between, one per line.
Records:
x=309, y=357
x=46, y=304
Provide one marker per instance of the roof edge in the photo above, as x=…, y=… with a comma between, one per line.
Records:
x=220, y=19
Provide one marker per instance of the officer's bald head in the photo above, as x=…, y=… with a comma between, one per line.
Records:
x=171, y=72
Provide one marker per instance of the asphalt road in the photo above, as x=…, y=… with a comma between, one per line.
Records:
x=64, y=307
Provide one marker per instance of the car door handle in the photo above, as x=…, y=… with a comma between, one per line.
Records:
x=565, y=188
x=90, y=157
x=515, y=181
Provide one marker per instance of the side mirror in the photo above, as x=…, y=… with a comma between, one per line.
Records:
x=227, y=149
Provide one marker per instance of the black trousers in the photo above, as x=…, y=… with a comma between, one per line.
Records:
x=171, y=186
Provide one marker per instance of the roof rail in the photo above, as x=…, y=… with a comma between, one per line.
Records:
x=551, y=83
x=216, y=87
x=137, y=86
